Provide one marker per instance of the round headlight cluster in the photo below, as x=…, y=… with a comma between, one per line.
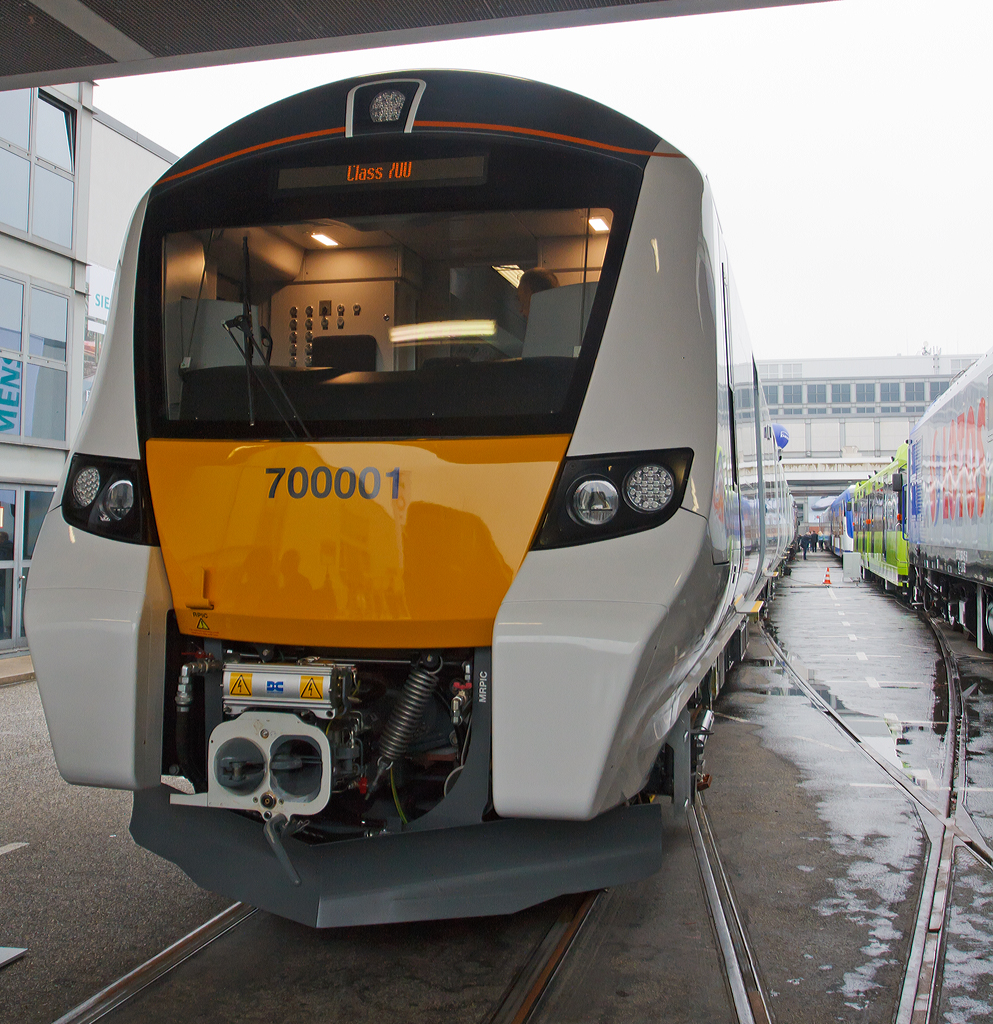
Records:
x=120, y=499
x=86, y=486
x=648, y=488
x=594, y=502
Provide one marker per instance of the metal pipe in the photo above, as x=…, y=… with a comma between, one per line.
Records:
x=184, y=701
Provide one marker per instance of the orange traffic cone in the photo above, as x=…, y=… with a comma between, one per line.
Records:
x=827, y=576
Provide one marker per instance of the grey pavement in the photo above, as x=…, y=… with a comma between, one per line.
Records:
x=84, y=899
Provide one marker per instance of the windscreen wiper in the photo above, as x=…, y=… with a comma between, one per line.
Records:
x=253, y=373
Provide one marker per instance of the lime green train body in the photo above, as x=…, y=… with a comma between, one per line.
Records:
x=879, y=522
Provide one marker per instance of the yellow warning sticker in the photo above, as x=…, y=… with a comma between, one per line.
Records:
x=241, y=685
x=202, y=624
x=311, y=688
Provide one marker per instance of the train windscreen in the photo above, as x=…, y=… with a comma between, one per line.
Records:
x=436, y=306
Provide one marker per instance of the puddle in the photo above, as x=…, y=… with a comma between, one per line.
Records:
x=967, y=982
x=875, y=838
x=894, y=697
x=977, y=699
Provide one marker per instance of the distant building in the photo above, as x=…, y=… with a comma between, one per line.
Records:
x=847, y=417
x=70, y=178
x=866, y=405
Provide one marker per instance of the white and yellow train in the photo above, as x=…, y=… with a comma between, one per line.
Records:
x=386, y=573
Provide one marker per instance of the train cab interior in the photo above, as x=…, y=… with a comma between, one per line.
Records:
x=420, y=312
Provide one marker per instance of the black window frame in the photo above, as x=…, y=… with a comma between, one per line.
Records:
x=230, y=196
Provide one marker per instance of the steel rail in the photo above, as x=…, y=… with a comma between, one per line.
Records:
x=516, y=1006
x=920, y=974
x=521, y=998
x=739, y=962
x=944, y=831
x=128, y=986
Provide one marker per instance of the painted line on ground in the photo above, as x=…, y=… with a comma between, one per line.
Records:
x=821, y=743
x=11, y=847
x=870, y=682
x=861, y=655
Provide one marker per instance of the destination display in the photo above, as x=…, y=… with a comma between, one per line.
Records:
x=459, y=170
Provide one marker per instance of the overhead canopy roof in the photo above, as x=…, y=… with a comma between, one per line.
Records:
x=49, y=41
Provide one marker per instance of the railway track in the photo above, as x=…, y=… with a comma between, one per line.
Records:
x=946, y=822
x=516, y=1005
x=521, y=1000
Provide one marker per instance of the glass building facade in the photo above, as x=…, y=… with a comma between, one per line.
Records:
x=69, y=180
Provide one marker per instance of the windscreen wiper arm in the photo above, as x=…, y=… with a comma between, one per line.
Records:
x=243, y=323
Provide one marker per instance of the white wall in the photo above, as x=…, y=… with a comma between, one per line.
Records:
x=892, y=433
x=121, y=172
x=862, y=434
x=825, y=436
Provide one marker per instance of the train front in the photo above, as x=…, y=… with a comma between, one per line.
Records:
x=364, y=325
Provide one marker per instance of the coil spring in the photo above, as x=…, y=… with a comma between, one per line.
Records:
x=402, y=726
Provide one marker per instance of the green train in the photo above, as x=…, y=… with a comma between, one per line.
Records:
x=879, y=525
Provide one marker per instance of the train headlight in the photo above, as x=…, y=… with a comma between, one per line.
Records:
x=648, y=488
x=119, y=500
x=85, y=486
x=588, y=494
x=594, y=502
x=109, y=497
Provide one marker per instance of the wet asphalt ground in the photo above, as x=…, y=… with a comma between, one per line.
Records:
x=824, y=854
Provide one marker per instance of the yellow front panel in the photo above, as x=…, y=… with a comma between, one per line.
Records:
x=353, y=544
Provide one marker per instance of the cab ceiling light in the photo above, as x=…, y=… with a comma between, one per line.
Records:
x=323, y=239
x=599, y=224
x=510, y=272
x=411, y=334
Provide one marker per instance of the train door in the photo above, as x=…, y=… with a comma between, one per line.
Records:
x=747, y=442
x=22, y=510
x=727, y=441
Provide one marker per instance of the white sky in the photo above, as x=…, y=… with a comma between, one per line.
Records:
x=849, y=146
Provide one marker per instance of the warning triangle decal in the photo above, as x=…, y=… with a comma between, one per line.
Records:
x=202, y=624
x=311, y=688
x=241, y=685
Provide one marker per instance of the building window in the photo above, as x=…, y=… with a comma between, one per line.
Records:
x=938, y=387
x=817, y=412
x=792, y=394
x=48, y=154
x=865, y=393
x=15, y=174
x=841, y=393
x=914, y=391
x=55, y=133
x=33, y=363
x=889, y=392
x=771, y=393
x=816, y=393
x=15, y=117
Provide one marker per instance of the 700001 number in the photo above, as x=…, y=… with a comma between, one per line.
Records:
x=322, y=481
